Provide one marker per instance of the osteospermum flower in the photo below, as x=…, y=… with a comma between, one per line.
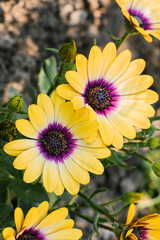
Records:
x=143, y=15
x=145, y=228
x=37, y=226
x=113, y=89
x=56, y=147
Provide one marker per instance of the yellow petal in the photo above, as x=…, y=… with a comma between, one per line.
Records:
x=95, y=62
x=82, y=66
x=75, y=80
x=37, y=117
x=78, y=173
x=78, y=102
x=16, y=147
x=135, y=68
x=136, y=118
x=109, y=55
x=121, y=237
x=87, y=161
x=93, y=114
x=139, y=106
x=100, y=153
x=131, y=213
x=54, y=217
x=67, y=234
x=117, y=139
x=71, y=185
x=91, y=138
x=42, y=211
x=31, y=217
x=105, y=130
x=26, y=128
x=50, y=176
x=147, y=96
x=8, y=232
x=59, y=189
x=129, y=232
x=96, y=144
x=58, y=226
x=119, y=66
x=135, y=85
x=34, y=169
x=11, y=238
x=121, y=3
x=80, y=115
x=122, y=125
x=66, y=113
x=45, y=103
x=22, y=161
x=84, y=129
x=18, y=218
x=57, y=103
x=66, y=91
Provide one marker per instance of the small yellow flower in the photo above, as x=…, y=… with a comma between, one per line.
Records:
x=114, y=91
x=145, y=228
x=56, y=147
x=37, y=226
x=143, y=15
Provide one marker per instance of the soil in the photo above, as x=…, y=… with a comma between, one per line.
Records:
x=27, y=27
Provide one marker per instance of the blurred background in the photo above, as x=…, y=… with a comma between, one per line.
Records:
x=27, y=27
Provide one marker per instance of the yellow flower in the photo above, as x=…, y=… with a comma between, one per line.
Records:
x=37, y=226
x=145, y=228
x=56, y=148
x=113, y=89
x=143, y=15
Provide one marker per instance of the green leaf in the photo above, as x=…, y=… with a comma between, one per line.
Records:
x=118, y=160
x=121, y=210
x=98, y=191
x=95, y=227
x=47, y=74
x=29, y=192
x=32, y=94
x=52, y=50
x=5, y=210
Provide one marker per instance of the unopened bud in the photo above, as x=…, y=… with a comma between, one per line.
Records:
x=68, y=52
x=156, y=168
x=8, y=131
x=15, y=104
x=153, y=143
x=131, y=197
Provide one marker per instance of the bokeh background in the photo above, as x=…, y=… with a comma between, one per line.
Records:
x=27, y=27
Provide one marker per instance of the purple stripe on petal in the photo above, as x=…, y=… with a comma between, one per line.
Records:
x=143, y=20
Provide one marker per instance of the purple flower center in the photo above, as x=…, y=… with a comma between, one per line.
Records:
x=142, y=20
x=56, y=142
x=140, y=233
x=31, y=234
x=101, y=96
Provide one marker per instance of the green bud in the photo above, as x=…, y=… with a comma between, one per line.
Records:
x=15, y=104
x=153, y=142
x=8, y=131
x=131, y=197
x=68, y=52
x=156, y=168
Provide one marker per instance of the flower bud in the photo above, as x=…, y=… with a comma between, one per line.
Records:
x=131, y=197
x=15, y=104
x=8, y=131
x=68, y=52
x=156, y=168
x=153, y=143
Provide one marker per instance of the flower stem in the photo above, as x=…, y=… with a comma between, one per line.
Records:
x=91, y=221
x=97, y=207
x=123, y=38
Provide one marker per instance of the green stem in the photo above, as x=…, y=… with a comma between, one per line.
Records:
x=123, y=38
x=97, y=207
x=61, y=70
x=91, y=221
x=10, y=115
